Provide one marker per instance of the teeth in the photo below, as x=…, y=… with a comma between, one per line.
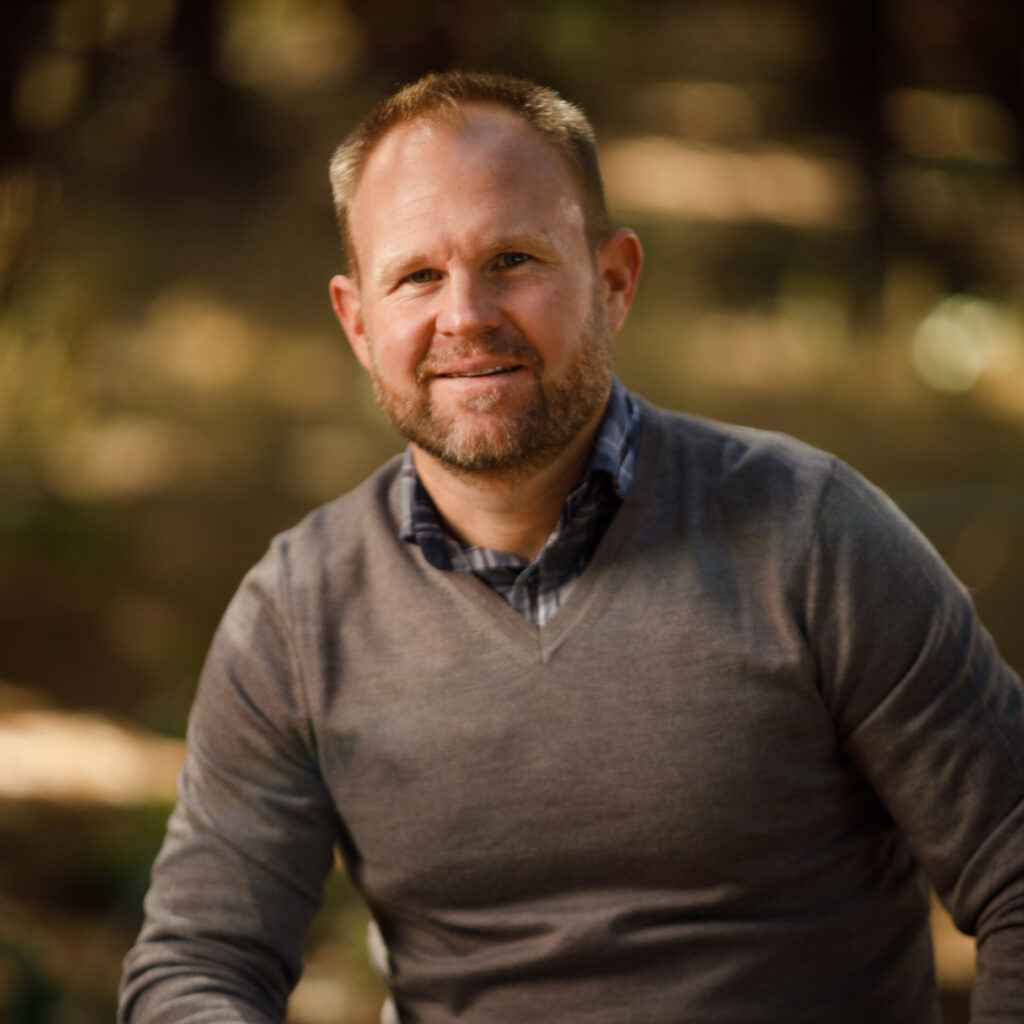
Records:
x=484, y=373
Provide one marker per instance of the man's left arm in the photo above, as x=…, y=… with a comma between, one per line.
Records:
x=931, y=714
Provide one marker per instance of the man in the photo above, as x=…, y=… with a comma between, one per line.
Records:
x=616, y=715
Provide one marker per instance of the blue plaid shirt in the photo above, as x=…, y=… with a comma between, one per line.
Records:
x=536, y=589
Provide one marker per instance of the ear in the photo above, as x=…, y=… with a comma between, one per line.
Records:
x=620, y=259
x=349, y=311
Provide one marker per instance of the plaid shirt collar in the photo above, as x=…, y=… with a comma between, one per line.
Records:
x=586, y=512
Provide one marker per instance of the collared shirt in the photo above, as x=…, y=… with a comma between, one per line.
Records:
x=536, y=589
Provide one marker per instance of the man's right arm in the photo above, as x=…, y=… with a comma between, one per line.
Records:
x=248, y=847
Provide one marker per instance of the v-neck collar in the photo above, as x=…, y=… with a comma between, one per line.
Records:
x=592, y=590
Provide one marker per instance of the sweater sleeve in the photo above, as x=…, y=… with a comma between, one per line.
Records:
x=931, y=714
x=250, y=842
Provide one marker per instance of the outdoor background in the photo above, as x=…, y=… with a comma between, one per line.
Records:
x=832, y=203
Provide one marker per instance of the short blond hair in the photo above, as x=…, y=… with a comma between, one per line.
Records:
x=439, y=95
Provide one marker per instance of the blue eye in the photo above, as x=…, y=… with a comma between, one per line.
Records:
x=507, y=260
x=424, y=276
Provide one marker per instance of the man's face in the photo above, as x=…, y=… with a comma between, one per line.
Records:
x=479, y=311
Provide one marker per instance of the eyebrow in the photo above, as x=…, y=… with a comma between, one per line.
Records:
x=397, y=267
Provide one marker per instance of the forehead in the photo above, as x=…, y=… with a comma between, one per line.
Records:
x=480, y=126
x=482, y=164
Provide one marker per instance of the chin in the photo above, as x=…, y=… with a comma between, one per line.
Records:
x=501, y=432
x=502, y=444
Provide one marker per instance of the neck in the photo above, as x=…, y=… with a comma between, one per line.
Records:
x=506, y=510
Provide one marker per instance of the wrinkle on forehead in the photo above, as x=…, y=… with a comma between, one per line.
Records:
x=474, y=122
x=570, y=207
x=484, y=136
x=485, y=149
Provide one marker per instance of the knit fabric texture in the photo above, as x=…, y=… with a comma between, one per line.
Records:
x=537, y=588
x=704, y=791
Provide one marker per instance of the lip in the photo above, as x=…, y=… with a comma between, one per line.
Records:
x=478, y=369
x=511, y=379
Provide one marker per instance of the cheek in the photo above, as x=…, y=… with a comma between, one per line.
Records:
x=554, y=322
x=398, y=342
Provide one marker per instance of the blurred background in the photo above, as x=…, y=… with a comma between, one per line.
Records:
x=832, y=203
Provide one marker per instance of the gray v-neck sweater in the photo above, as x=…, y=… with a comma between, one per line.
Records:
x=700, y=793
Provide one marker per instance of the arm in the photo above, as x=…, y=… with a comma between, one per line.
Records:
x=248, y=847
x=933, y=717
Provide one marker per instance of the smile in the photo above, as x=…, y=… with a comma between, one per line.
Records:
x=489, y=372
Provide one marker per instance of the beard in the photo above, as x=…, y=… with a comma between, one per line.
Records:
x=481, y=437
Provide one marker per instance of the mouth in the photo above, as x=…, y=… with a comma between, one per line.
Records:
x=489, y=371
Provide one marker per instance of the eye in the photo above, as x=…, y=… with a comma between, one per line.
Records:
x=508, y=260
x=424, y=276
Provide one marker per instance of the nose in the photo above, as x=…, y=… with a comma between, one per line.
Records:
x=468, y=306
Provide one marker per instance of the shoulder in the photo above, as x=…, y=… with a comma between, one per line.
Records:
x=349, y=522
x=713, y=464
x=731, y=446
x=778, y=487
x=335, y=540
x=775, y=496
